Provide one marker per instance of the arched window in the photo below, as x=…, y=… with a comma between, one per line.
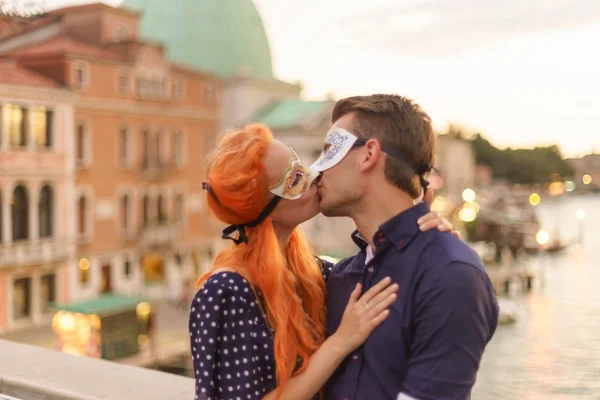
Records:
x=125, y=217
x=146, y=210
x=20, y=213
x=45, y=209
x=81, y=215
x=162, y=216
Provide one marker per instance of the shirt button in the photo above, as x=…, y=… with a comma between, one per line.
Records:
x=355, y=357
x=370, y=269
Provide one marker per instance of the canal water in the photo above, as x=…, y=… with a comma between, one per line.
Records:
x=552, y=352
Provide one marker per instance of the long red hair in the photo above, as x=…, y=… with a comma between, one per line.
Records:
x=288, y=277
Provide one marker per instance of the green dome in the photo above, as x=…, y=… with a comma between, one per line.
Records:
x=217, y=36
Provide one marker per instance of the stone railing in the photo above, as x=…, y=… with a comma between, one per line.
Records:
x=32, y=373
x=33, y=251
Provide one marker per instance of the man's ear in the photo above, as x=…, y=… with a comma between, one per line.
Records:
x=371, y=156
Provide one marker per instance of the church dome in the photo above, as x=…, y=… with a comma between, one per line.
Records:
x=223, y=37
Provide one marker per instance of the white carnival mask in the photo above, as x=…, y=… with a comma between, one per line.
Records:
x=338, y=143
x=295, y=180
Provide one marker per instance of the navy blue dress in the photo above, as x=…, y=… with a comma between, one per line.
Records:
x=232, y=345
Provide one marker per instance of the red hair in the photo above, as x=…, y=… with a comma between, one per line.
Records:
x=238, y=180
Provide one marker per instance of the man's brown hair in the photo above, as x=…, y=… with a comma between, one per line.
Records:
x=397, y=123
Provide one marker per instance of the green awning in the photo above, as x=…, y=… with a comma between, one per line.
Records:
x=105, y=304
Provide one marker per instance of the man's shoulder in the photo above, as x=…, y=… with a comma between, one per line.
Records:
x=443, y=255
x=445, y=248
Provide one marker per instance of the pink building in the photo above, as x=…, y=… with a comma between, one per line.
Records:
x=36, y=186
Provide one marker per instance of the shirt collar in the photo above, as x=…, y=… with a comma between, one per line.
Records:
x=399, y=229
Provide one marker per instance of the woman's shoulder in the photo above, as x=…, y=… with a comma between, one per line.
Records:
x=326, y=267
x=225, y=284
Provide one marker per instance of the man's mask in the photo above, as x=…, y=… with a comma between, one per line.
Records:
x=295, y=181
x=338, y=143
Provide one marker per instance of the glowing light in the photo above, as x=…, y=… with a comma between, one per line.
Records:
x=438, y=204
x=570, y=186
x=542, y=237
x=587, y=179
x=471, y=205
x=468, y=195
x=580, y=214
x=143, y=310
x=64, y=321
x=556, y=188
x=534, y=199
x=467, y=215
x=84, y=264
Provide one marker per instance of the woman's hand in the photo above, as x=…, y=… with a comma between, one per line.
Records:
x=364, y=314
x=434, y=220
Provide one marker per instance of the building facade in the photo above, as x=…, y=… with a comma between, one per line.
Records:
x=36, y=181
x=140, y=130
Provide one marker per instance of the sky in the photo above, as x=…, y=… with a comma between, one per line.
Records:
x=523, y=73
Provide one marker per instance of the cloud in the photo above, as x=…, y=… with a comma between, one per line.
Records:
x=443, y=26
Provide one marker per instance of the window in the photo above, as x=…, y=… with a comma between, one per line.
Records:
x=16, y=122
x=127, y=268
x=178, y=208
x=124, y=147
x=106, y=279
x=120, y=33
x=158, y=140
x=124, y=85
x=178, y=148
x=84, y=271
x=82, y=205
x=209, y=93
x=153, y=266
x=41, y=126
x=146, y=147
x=177, y=87
x=81, y=144
x=45, y=213
x=146, y=210
x=81, y=75
x=22, y=298
x=162, y=216
x=125, y=213
x=48, y=292
x=20, y=213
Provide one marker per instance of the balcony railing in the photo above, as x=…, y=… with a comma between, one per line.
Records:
x=39, y=251
x=154, y=169
x=32, y=373
x=160, y=234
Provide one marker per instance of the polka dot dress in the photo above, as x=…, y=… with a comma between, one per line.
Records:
x=232, y=345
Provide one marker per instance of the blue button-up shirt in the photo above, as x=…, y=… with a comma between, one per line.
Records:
x=430, y=345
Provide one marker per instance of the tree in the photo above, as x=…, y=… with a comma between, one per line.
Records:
x=522, y=166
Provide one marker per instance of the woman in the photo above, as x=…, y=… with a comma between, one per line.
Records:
x=257, y=324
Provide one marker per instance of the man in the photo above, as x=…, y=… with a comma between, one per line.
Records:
x=373, y=165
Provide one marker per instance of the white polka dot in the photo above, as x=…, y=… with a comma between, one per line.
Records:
x=210, y=299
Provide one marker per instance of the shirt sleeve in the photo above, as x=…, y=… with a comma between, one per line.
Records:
x=455, y=316
x=222, y=348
